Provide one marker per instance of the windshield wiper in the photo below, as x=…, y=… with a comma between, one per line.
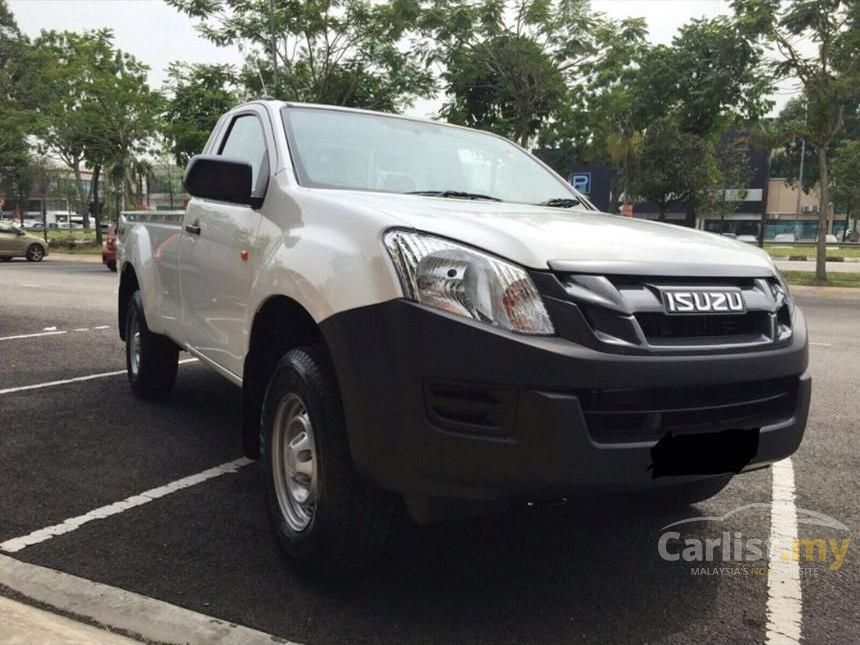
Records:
x=562, y=202
x=456, y=194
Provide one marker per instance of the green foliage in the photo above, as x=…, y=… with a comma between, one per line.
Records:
x=510, y=68
x=676, y=166
x=341, y=52
x=14, y=149
x=710, y=77
x=830, y=76
x=198, y=96
x=846, y=175
x=92, y=104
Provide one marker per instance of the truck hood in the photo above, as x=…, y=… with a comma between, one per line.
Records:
x=539, y=237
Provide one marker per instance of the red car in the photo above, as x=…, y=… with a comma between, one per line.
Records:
x=109, y=248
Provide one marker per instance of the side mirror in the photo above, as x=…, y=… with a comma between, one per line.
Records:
x=219, y=178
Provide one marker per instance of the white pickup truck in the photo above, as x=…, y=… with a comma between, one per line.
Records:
x=425, y=315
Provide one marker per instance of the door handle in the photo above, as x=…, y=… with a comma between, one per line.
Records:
x=193, y=228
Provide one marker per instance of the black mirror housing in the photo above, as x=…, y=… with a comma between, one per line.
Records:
x=219, y=178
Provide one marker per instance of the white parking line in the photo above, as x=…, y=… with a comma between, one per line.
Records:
x=821, y=344
x=74, y=523
x=784, y=597
x=77, y=379
x=39, y=335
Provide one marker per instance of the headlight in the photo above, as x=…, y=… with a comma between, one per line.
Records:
x=467, y=282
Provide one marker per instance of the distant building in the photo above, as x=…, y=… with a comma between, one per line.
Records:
x=771, y=195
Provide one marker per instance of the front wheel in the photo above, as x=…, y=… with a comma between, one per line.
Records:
x=6, y=258
x=151, y=359
x=327, y=519
x=35, y=253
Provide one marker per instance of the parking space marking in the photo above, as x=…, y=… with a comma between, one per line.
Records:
x=52, y=331
x=784, y=598
x=76, y=379
x=821, y=344
x=38, y=335
x=74, y=523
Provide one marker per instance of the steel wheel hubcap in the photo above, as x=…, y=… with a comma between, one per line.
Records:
x=294, y=462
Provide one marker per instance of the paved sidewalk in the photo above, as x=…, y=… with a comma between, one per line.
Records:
x=73, y=257
x=22, y=624
x=836, y=267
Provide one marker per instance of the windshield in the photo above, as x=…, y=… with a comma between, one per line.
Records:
x=349, y=150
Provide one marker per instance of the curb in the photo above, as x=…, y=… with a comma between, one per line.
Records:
x=122, y=611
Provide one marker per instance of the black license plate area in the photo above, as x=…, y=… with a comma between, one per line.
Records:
x=706, y=453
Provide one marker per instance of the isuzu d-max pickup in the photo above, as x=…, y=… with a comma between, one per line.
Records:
x=426, y=314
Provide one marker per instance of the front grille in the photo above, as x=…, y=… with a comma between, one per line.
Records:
x=646, y=414
x=719, y=326
x=627, y=313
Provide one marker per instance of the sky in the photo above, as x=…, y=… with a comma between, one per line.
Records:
x=157, y=34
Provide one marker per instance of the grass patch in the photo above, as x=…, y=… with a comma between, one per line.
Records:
x=63, y=235
x=834, y=279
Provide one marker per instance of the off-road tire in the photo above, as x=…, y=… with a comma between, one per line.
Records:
x=351, y=518
x=152, y=372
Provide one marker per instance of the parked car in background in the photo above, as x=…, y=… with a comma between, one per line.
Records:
x=783, y=237
x=109, y=248
x=749, y=239
x=15, y=242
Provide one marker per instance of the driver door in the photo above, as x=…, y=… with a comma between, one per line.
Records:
x=216, y=242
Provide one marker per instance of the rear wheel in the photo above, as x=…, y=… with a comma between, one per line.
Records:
x=151, y=359
x=35, y=253
x=326, y=518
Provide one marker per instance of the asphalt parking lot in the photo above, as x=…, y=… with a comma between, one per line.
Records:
x=588, y=572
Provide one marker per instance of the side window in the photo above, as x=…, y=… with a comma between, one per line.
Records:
x=246, y=141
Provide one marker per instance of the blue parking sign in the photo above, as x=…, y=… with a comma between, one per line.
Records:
x=581, y=181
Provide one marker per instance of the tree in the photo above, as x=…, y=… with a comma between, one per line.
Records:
x=340, y=52
x=733, y=172
x=830, y=77
x=510, y=68
x=710, y=77
x=14, y=148
x=198, y=96
x=676, y=167
x=846, y=177
x=93, y=106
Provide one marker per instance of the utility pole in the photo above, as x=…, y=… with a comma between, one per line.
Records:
x=799, y=190
x=274, y=47
x=45, y=204
x=800, y=176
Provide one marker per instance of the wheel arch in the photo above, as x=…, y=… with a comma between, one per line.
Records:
x=280, y=324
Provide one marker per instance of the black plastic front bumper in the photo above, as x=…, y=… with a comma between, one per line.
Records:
x=392, y=359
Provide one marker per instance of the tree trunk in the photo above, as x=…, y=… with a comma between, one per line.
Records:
x=96, y=204
x=662, y=208
x=82, y=196
x=764, y=194
x=823, y=216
